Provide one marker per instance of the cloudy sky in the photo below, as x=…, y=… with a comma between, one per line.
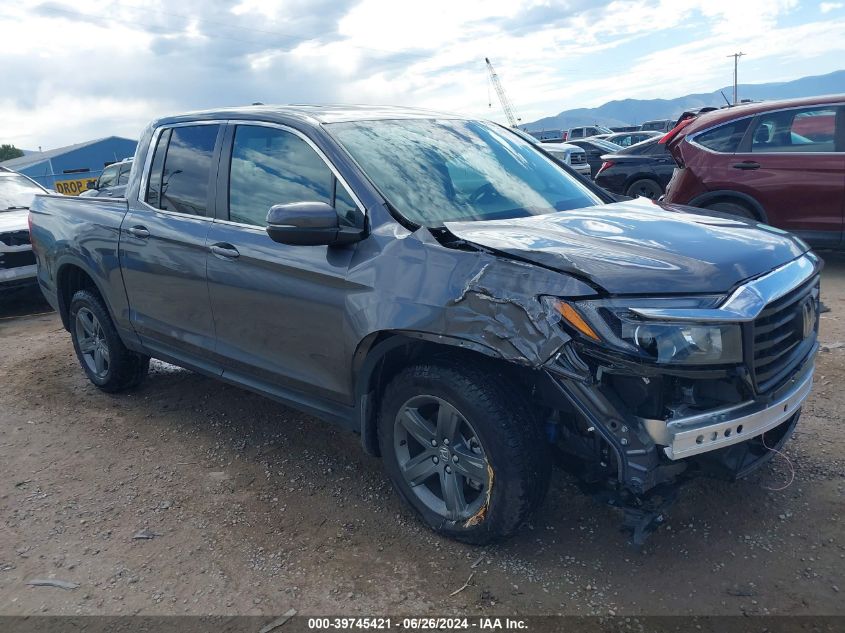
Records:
x=73, y=71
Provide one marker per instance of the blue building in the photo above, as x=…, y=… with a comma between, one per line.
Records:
x=69, y=169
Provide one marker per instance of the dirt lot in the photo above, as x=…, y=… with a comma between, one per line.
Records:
x=256, y=509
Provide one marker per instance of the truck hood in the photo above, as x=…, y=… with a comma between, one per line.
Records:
x=641, y=246
x=14, y=220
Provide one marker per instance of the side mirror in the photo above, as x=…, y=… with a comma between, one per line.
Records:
x=308, y=224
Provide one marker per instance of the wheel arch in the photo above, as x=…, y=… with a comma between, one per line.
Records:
x=641, y=176
x=72, y=276
x=728, y=195
x=381, y=355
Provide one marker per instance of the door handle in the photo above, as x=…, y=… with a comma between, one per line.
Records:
x=747, y=164
x=139, y=231
x=221, y=249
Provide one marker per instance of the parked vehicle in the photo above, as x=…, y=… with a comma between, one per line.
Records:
x=658, y=125
x=584, y=132
x=595, y=149
x=642, y=170
x=571, y=155
x=780, y=162
x=547, y=136
x=626, y=139
x=112, y=182
x=17, y=263
x=442, y=287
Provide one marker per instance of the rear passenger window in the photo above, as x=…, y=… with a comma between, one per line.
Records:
x=725, y=138
x=182, y=183
x=809, y=130
x=272, y=166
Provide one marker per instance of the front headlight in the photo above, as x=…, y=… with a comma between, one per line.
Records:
x=611, y=323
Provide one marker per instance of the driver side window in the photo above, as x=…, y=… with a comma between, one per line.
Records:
x=271, y=166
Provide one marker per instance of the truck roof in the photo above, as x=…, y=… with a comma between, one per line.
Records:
x=309, y=114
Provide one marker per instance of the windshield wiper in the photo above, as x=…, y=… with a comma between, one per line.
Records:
x=15, y=208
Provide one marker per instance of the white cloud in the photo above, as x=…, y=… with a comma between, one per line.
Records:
x=76, y=77
x=827, y=7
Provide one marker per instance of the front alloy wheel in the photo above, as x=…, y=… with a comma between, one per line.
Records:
x=441, y=458
x=463, y=447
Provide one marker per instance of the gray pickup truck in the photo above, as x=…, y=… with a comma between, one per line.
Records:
x=447, y=290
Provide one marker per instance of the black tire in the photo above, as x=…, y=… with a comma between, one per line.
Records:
x=733, y=208
x=645, y=188
x=513, y=449
x=103, y=356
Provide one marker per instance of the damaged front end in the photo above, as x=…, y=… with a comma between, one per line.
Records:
x=644, y=398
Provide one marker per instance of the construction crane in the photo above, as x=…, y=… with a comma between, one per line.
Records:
x=513, y=120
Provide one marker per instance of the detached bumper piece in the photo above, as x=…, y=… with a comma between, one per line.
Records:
x=713, y=430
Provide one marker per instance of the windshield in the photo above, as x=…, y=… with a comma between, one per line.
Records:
x=434, y=171
x=17, y=191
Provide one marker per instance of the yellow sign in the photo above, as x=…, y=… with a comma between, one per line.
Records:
x=73, y=187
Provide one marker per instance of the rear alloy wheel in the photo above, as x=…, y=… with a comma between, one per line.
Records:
x=462, y=447
x=106, y=360
x=644, y=188
x=93, y=347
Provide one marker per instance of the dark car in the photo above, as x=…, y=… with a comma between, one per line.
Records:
x=781, y=162
x=643, y=170
x=444, y=289
x=658, y=125
x=626, y=139
x=17, y=263
x=595, y=148
x=112, y=182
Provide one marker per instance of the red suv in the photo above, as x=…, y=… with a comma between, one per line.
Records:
x=781, y=162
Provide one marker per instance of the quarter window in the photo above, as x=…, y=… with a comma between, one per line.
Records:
x=154, y=185
x=272, y=166
x=109, y=176
x=725, y=138
x=123, y=178
x=807, y=130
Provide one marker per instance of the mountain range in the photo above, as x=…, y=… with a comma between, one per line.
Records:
x=634, y=111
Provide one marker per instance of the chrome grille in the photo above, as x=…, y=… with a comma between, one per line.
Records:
x=578, y=158
x=780, y=339
x=15, y=238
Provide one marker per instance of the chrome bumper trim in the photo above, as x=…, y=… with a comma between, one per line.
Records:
x=717, y=429
x=16, y=274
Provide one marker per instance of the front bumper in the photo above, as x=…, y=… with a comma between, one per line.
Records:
x=695, y=434
x=583, y=169
x=17, y=275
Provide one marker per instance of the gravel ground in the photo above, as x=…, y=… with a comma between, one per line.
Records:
x=190, y=496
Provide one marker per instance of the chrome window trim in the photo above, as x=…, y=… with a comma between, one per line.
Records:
x=691, y=139
x=286, y=128
x=747, y=301
x=148, y=160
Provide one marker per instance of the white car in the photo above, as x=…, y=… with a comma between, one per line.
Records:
x=571, y=155
x=17, y=262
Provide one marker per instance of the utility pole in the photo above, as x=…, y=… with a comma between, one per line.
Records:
x=736, y=57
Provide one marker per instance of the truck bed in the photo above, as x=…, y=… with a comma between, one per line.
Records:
x=69, y=232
